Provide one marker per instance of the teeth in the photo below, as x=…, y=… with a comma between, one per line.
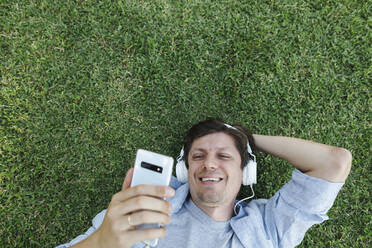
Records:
x=204, y=179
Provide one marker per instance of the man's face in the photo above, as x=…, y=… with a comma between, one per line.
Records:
x=214, y=173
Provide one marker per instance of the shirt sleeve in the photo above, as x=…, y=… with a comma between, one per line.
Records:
x=96, y=223
x=299, y=204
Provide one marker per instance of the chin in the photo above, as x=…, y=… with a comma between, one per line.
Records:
x=211, y=200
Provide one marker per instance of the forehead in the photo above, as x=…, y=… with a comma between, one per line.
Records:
x=214, y=141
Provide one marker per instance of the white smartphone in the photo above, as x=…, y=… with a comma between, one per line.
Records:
x=155, y=169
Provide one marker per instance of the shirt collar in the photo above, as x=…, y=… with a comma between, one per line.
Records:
x=180, y=197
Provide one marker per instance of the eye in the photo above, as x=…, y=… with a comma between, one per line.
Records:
x=224, y=156
x=197, y=156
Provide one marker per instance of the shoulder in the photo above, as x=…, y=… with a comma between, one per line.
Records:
x=286, y=216
x=174, y=183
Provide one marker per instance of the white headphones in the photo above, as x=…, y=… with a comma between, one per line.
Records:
x=249, y=170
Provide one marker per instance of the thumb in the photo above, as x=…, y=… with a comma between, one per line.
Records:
x=128, y=179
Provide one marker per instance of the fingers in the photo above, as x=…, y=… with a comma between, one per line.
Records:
x=149, y=190
x=148, y=217
x=143, y=203
x=130, y=221
x=128, y=179
x=146, y=234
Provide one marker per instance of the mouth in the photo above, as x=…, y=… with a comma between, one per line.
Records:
x=210, y=180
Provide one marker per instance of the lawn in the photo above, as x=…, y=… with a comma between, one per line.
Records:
x=84, y=84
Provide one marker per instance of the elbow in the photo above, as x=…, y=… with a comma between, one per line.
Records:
x=342, y=159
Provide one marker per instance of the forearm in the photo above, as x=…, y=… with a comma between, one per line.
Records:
x=315, y=159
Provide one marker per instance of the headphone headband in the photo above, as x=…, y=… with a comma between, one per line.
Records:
x=249, y=149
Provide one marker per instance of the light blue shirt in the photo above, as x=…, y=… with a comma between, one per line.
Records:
x=280, y=221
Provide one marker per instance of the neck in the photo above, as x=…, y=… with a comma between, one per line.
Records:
x=217, y=213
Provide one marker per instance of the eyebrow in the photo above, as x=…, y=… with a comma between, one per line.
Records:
x=204, y=150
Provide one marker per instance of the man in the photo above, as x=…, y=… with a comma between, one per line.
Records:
x=200, y=213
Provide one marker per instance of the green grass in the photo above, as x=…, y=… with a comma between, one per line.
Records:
x=86, y=83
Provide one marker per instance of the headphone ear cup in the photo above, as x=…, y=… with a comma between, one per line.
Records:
x=250, y=173
x=181, y=171
x=245, y=175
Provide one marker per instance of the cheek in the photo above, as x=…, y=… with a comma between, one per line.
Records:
x=239, y=178
x=191, y=171
x=236, y=178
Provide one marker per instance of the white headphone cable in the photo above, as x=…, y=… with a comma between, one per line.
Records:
x=247, y=198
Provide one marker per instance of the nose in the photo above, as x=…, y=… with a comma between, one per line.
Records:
x=210, y=163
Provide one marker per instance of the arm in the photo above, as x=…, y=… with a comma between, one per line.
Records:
x=314, y=159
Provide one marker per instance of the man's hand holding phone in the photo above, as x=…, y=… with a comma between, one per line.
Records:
x=134, y=206
x=128, y=208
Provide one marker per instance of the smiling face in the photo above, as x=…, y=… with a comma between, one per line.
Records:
x=214, y=172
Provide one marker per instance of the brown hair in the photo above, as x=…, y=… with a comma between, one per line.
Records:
x=214, y=125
